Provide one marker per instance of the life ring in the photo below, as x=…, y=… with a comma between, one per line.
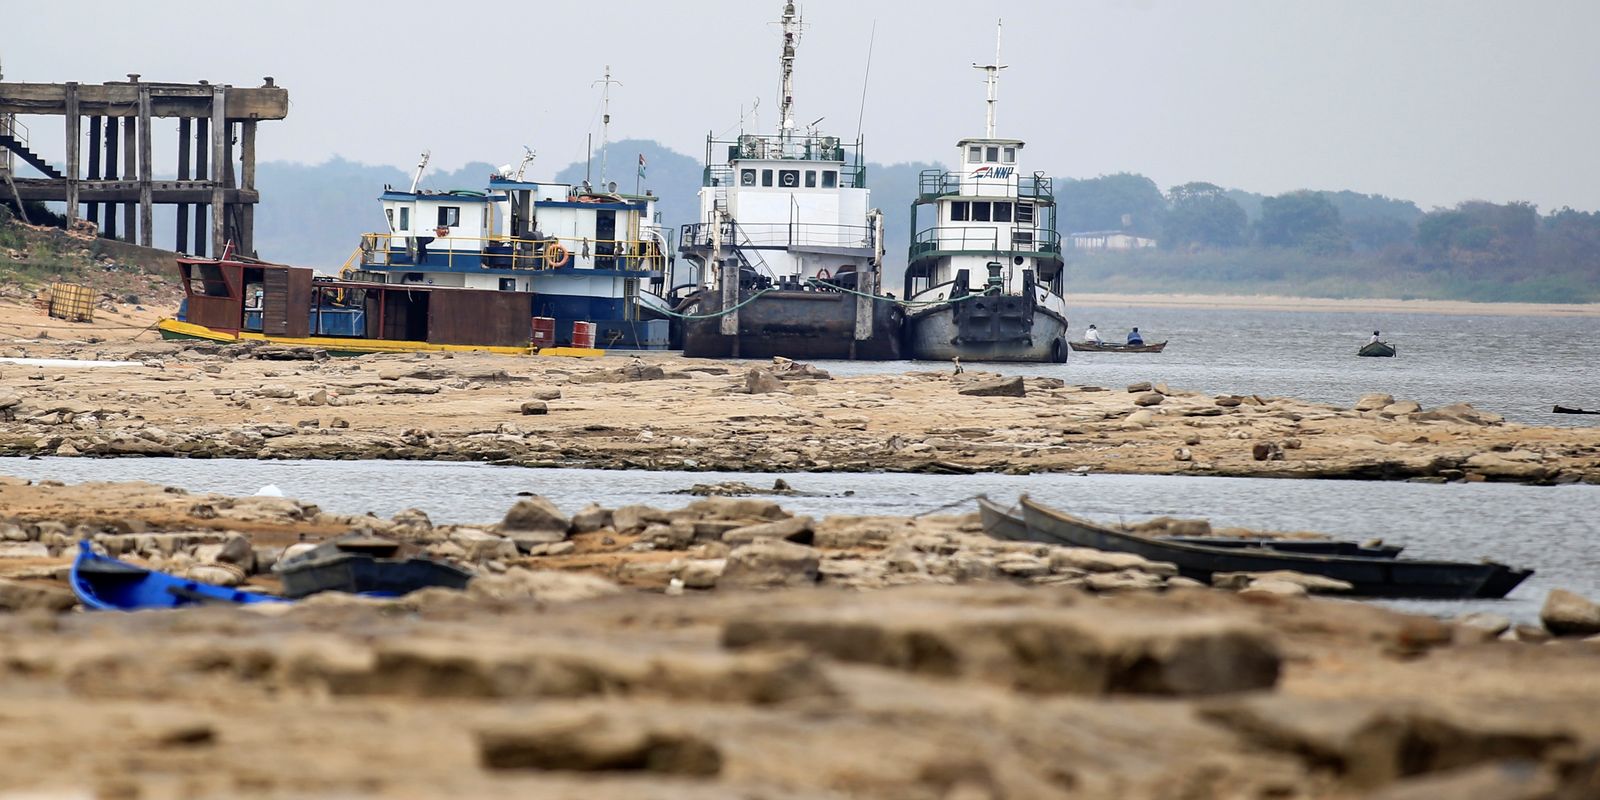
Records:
x=555, y=255
x=441, y=231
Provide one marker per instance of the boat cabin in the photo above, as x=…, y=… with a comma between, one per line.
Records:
x=286, y=303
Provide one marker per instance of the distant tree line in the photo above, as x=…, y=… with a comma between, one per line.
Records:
x=1475, y=242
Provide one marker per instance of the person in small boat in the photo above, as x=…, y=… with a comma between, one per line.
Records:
x=1374, y=339
x=1134, y=338
x=1092, y=335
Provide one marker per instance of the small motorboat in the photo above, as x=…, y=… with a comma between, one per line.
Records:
x=1369, y=577
x=1377, y=350
x=1112, y=347
x=362, y=564
x=1571, y=410
x=105, y=583
x=1003, y=523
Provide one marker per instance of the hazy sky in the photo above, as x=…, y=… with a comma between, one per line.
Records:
x=1432, y=100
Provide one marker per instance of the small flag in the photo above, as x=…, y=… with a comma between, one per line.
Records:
x=641, y=165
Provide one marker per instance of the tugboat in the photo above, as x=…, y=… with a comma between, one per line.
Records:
x=595, y=260
x=787, y=253
x=985, y=279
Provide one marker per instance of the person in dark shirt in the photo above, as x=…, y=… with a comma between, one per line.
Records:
x=1134, y=337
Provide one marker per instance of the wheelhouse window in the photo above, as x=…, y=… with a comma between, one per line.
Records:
x=212, y=283
x=766, y=177
x=960, y=211
x=980, y=212
x=974, y=154
x=789, y=178
x=1002, y=212
x=747, y=177
x=405, y=219
x=1024, y=213
x=993, y=153
x=1011, y=155
x=389, y=212
x=830, y=179
x=449, y=216
x=811, y=179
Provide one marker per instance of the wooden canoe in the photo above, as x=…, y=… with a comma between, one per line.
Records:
x=1111, y=347
x=1003, y=523
x=1377, y=350
x=1370, y=577
x=1571, y=410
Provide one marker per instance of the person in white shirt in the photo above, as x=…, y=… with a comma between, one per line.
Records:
x=1374, y=339
x=1092, y=335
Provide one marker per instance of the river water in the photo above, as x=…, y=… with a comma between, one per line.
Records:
x=1515, y=366
x=1551, y=529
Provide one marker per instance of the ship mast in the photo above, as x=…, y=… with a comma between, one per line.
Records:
x=992, y=78
x=605, y=118
x=791, y=38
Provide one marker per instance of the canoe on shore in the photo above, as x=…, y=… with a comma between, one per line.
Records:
x=1004, y=523
x=108, y=584
x=1112, y=347
x=1377, y=350
x=1370, y=577
x=1571, y=410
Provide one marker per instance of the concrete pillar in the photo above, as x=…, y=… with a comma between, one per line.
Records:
x=94, y=163
x=183, y=175
x=147, y=216
x=108, y=225
x=130, y=172
x=202, y=144
x=72, y=152
x=247, y=181
x=219, y=162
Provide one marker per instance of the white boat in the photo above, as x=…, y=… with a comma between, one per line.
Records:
x=787, y=251
x=984, y=276
x=588, y=256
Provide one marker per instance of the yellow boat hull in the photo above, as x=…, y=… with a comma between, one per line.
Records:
x=340, y=345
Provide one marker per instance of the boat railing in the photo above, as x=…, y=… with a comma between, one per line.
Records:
x=935, y=183
x=391, y=250
x=986, y=240
x=778, y=235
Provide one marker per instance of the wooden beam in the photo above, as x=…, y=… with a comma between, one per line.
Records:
x=70, y=102
x=147, y=214
x=108, y=222
x=247, y=181
x=219, y=156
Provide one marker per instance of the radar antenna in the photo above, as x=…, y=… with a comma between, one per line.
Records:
x=992, y=77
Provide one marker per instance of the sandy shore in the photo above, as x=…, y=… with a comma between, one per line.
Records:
x=1364, y=305
x=665, y=411
x=729, y=650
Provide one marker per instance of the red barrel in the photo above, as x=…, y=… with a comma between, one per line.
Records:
x=583, y=334
x=544, y=332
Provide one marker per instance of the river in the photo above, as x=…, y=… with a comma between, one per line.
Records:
x=1551, y=529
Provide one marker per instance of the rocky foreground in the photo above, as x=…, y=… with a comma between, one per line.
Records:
x=729, y=649
x=667, y=412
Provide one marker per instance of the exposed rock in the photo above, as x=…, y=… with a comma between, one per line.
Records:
x=1483, y=625
x=998, y=387
x=761, y=381
x=24, y=550
x=594, y=742
x=1076, y=650
x=1091, y=560
x=545, y=586
x=635, y=371
x=30, y=595
x=535, y=520
x=1315, y=584
x=1513, y=465
x=634, y=518
x=1272, y=588
x=591, y=518
x=1462, y=413
x=535, y=407
x=1149, y=399
x=702, y=573
x=769, y=564
x=1570, y=614
x=1373, y=402
x=549, y=393
x=737, y=508
x=1141, y=386
x=794, y=529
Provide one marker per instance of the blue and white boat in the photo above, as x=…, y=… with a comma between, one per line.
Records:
x=587, y=255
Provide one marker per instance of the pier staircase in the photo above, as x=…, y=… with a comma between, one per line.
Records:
x=12, y=138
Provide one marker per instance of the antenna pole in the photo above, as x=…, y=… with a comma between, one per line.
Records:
x=861, y=114
x=992, y=78
x=791, y=39
x=417, y=178
x=605, y=117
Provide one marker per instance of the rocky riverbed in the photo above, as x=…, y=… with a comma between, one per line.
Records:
x=730, y=649
x=665, y=412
